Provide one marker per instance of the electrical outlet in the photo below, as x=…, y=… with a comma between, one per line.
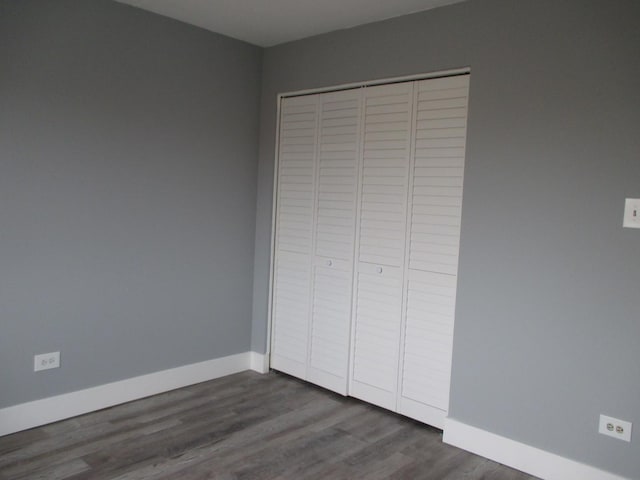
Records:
x=615, y=428
x=45, y=361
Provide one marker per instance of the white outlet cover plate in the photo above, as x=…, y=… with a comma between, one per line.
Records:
x=626, y=428
x=45, y=361
x=631, y=213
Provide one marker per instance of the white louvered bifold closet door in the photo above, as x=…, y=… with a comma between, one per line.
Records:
x=337, y=189
x=436, y=201
x=378, y=301
x=294, y=234
x=367, y=233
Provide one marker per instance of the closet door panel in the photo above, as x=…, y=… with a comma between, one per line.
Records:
x=338, y=154
x=331, y=320
x=295, y=195
x=290, y=314
x=438, y=174
x=386, y=150
x=377, y=334
x=338, y=159
x=381, y=243
x=434, y=240
x=294, y=234
x=428, y=342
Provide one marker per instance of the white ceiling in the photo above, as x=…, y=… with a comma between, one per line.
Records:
x=270, y=22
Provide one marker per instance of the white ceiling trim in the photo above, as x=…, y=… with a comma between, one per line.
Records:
x=270, y=22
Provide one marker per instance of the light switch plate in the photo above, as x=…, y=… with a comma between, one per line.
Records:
x=631, y=213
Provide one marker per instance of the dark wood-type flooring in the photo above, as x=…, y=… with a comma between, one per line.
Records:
x=244, y=426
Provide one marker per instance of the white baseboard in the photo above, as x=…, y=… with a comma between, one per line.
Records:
x=520, y=456
x=47, y=410
x=259, y=362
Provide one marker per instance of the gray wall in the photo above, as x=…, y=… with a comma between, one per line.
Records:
x=548, y=318
x=128, y=146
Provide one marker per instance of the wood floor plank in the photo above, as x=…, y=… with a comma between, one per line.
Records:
x=25, y=465
x=286, y=435
x=240, y=427
x=257, y=439
x=61, y=471
x=21, y=440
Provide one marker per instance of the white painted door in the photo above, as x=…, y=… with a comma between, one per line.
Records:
x=294, y=224
x=337, y=190
x=381, y=243
x=434, y=238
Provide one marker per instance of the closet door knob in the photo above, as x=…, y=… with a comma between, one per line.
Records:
x=379, y=269
x=329, y=263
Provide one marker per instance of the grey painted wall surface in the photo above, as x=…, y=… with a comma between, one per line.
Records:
x=548, y=318
x=128, y=146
